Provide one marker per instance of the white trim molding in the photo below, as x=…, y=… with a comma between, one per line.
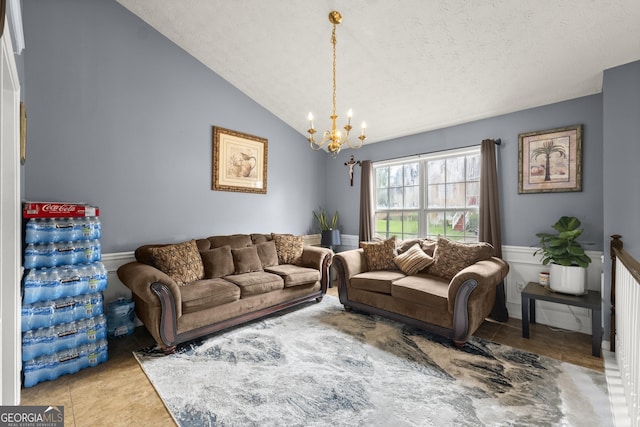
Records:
x=525, y=267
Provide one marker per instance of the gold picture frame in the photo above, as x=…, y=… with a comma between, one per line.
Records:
x=239, y=162
x=23, y=133
x=550, y=161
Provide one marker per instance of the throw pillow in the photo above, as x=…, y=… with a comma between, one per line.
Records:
x=246, y=260
x=404, y=245
x=217, y=262
x=289, y=248
x=451, y=257
x=379, y=255
x=267, y=253
x=413, y=260
x=181, y=262
x=429, y=246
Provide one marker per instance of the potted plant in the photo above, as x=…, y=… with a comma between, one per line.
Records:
x=330, y=234
x=568, y=270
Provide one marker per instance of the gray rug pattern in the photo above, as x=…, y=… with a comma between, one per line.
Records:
x=321, y=366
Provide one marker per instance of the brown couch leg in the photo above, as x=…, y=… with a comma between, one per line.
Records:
x=319, y=299
x=348, y=308
x=458, y=343
x=169, y=350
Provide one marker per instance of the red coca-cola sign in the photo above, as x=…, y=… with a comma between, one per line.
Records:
x=56, y=209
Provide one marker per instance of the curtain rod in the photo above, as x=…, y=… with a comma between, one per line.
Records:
x=497, y=141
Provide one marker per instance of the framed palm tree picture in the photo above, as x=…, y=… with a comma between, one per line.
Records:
x=550, y=161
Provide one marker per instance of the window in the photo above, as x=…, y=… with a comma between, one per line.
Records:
x=429, y=196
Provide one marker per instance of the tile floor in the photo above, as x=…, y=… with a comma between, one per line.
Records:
x=117, y=393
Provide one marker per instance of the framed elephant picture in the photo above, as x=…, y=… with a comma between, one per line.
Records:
x=239, y=162
x=550, y=161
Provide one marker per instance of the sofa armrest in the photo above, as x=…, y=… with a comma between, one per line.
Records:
x=139, y=277
x=352, y=262
x=314, y=256
x=488, y=273
x=319, y=258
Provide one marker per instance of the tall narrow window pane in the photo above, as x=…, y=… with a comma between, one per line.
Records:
x=436, y=171
x=395, y=224
x=455, y=169
x=411, y=197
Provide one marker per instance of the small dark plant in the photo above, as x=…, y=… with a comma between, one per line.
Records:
x=322, y=219
x=562, y=248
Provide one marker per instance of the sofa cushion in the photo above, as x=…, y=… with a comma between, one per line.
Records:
x=207, y=293
x=181, y=262
x=422, y=289
x=203, y=244
x=144, y=255
x=218, y=262
x=233, y=240
x=294, y=275
x=267, y=253
x=376, y=281
x=289, y=248
x=260, y=238
x=256, y=283
x=450, y=257
x=246, y=260
x=379, y=255
x=413, y=260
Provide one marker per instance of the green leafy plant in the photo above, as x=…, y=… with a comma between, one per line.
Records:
x=562, y=248
x=322, y=219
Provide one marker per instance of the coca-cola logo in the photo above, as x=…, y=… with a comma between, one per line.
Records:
x=59, y=208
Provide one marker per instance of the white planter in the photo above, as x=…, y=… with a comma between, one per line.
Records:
x=568, y=279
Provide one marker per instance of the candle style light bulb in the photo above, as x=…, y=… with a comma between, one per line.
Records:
x=364, y=126
x=310, y=117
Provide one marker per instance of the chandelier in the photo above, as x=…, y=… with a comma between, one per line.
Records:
x=335, y=138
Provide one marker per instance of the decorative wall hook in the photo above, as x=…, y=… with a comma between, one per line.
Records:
x=351, y=163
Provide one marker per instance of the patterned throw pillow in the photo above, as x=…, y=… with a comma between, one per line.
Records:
x=413, y=260
x=289, y=248
x=379, y=255
x=181, y=262
x=451, y=257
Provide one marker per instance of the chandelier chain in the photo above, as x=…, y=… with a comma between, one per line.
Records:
x=334, y=41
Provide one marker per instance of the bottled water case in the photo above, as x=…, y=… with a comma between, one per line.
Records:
x=64, y=327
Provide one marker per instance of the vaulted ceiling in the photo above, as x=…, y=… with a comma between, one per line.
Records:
x=403, y=66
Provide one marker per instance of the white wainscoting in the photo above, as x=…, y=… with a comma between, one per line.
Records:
x=524, y=268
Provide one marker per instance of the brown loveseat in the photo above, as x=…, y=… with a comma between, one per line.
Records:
x=445, y=287
x=187, y=290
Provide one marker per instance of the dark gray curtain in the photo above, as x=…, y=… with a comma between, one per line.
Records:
x=366, y=202
x=489, y=230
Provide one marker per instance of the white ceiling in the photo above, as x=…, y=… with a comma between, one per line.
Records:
x=405, y=66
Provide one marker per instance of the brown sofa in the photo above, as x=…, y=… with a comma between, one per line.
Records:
x=187, y=290
x=450, y=293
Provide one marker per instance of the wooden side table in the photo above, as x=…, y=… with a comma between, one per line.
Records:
x=592, y=300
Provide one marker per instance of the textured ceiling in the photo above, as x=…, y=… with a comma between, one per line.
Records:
x=403, y=66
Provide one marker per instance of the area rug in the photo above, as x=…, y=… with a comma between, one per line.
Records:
x=318, y=365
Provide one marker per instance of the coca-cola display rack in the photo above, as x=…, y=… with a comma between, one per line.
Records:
x=64, y=327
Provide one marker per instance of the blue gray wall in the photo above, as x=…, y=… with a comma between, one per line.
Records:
x=523, y=215
x=621, y=89
x=120, y=117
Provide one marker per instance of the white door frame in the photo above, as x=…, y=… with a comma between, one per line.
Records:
x=10, y=228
